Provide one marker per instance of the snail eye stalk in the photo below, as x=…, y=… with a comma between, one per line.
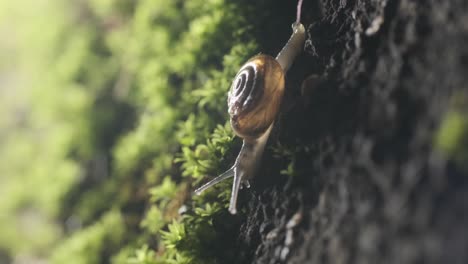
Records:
x=226, y=175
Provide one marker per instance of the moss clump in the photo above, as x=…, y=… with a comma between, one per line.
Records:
x=452, y=136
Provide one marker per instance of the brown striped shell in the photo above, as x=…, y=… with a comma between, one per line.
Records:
x=255, y=96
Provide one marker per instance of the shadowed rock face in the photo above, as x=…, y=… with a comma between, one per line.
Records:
x=369, y=185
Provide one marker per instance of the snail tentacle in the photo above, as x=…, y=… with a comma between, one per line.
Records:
x=243, y=169
x=226, y=175
x=238, y=175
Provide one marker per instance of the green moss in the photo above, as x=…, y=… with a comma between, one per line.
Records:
x=452, y=136
x=94, y=243
x=115, y=109
x=452, y=132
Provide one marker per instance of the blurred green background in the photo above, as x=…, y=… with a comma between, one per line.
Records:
x=110, y=110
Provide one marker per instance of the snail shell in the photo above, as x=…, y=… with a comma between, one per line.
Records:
x=255, y=96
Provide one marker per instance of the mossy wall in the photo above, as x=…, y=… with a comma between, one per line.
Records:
x=111, y=110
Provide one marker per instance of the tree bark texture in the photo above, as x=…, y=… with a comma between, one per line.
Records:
x=369, y=184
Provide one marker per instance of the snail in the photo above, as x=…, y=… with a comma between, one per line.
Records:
x=253, y=104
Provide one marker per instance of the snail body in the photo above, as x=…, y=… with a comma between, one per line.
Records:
x=253, y=105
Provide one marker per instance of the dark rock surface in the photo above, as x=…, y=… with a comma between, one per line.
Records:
x=369, y=185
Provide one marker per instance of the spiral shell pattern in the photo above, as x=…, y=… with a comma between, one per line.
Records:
x=255, y=96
